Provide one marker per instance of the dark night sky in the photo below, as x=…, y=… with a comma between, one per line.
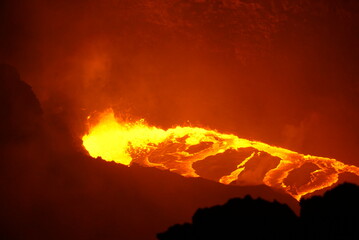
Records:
x=277, y=71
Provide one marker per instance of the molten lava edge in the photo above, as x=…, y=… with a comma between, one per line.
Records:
x=177, y=149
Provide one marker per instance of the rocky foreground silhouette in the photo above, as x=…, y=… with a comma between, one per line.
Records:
x=332, y=216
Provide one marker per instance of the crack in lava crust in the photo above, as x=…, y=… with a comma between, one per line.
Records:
x=178, y=148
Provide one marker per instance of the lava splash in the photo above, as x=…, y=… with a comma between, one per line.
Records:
x=180, y=149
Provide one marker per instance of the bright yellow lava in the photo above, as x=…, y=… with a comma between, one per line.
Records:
x=177, y=149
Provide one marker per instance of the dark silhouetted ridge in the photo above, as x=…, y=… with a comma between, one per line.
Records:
x=20, y=110
x=332, y=216
x=238, y=219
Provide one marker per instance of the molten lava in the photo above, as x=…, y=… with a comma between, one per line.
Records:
x=179, y=149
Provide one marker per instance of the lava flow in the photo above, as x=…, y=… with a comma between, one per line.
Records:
x=178, y=149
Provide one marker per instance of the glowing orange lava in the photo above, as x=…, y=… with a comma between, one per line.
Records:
x=177, y=149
